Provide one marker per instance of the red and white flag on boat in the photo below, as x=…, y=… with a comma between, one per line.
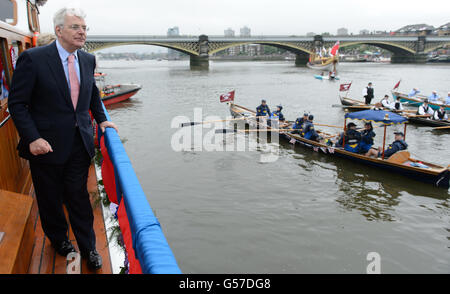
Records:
x=227, y=97
x=335, y=49
x=345, y=87
x=397, y=85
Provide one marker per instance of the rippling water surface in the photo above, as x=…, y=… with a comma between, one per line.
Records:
x=226, y=212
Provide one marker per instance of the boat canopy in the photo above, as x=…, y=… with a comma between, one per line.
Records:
x=377, y=116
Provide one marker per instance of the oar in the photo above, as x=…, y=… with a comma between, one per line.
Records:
x=189, y=124
x=352, y=106
x=441, y=128
x=223, y=131
x=422, y=115
x=331, y=126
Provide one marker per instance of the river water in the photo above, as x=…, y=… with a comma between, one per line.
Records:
x=226, y=212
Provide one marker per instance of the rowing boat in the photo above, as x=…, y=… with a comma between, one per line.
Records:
x=319, y=77
x=400, y=163
x=417, y=101
x=355, y=105
x=428, y=122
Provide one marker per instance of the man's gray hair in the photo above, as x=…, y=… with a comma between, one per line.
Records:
x=60, y=15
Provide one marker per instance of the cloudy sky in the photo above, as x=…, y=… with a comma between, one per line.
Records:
x=264, y=17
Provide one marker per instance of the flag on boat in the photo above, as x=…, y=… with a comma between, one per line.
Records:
x=397, y=85
x=335, y=49
x=227, y=97
x=345, y=87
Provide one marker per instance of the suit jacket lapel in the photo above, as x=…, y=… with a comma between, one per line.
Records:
x=58, y=73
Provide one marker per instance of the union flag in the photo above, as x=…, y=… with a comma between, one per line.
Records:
x=227, y=97
x=345, y=87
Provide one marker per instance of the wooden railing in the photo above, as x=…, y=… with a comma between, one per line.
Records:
x=14, y=172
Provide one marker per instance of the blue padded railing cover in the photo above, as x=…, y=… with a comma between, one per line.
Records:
x=149, y=243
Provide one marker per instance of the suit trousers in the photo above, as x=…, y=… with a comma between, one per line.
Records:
x=56, y=185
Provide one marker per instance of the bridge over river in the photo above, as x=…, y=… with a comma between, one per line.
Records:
x=405, y=49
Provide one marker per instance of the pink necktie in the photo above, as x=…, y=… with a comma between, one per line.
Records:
x=73, y=79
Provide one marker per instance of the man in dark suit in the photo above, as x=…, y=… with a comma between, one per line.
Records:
x=52, y=91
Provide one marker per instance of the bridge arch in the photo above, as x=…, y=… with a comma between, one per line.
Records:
x=292, y=47
x=189, y=50
x=396, y=48
x=436, y=46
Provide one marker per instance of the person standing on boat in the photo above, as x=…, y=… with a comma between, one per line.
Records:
x=367, y=136
x=52, y=92
x=440, y=114
x=413, y=92
x=351, y=138
x=368, y=93
x=398, y=145
x=425, y=109
x=309, y=132
x=298, y=125
x=263, y=109
x=434, y=97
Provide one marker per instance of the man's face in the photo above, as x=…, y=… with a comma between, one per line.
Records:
x=72, y=35
x=398, y=137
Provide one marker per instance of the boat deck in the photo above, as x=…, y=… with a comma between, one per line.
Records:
x=44, y=258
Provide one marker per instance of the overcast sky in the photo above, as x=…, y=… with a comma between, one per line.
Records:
x=264, y=17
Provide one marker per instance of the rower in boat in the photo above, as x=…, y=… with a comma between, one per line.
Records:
x=367, y=136
x=309, y=132
x=440, y=114
x=298, y=125
x=398, y=104
x=368, y=93
x=413, y=92
x=398, y=145
x=434, y=97
x=351, y=139
x=425, y=109
x=386, y=103
x=277, y=114
x=447, y=100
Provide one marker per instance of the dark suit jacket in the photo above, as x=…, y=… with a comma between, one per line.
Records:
x=41, y=106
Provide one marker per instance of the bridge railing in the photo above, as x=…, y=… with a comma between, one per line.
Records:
x=149, y=245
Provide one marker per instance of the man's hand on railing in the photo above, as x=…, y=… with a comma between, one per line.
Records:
x=108, y=124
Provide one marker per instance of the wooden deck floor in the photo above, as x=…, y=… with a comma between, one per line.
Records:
x=45, y=260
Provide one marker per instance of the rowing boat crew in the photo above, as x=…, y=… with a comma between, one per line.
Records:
x=423, y=110
x=434, y=97
x=438, y=114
